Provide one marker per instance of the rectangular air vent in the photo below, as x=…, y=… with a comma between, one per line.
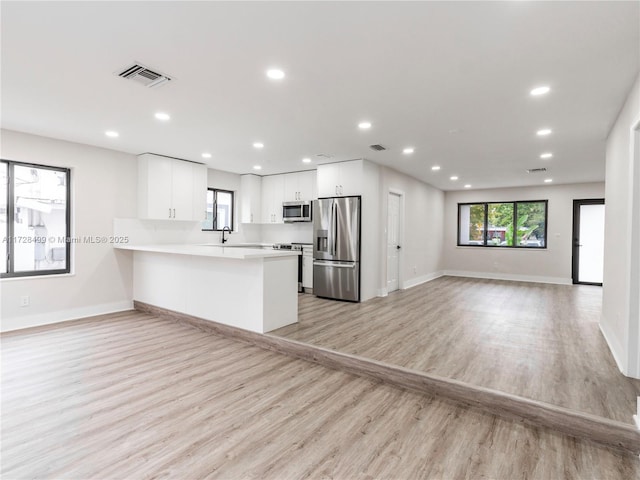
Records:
x=324, y=155
x=143, y=75
x=377, y=148
x=536, y=170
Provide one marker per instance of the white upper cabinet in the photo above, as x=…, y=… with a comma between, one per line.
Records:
x=340, y=179
x=299, y=186
x=199, y=191
x=272, y=198
x=250, y=199
x=181, y=190
x=167, y=188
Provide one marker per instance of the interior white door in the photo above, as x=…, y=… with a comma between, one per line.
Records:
x=393, y=242
x=591, y=259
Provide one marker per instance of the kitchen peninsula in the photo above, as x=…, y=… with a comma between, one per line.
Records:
x=250, y=288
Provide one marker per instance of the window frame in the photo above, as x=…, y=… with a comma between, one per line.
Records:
x=10, y=216
x=515, y=221
x=215, y=209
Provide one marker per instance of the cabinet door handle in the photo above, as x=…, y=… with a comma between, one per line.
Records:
x=251, y=217
x=169, y=213
x=174, y=213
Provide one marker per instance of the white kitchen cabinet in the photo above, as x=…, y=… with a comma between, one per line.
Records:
x=166, y=188
x=299, y=186
x=272, y=198
x=199, y=191
x=307, y=185
x=250, y=199
x=340, y=179
x=307, y=267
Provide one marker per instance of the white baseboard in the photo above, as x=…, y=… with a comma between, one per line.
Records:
x=17, y=323
x=421, y=279
x=614, y=346
x=510, y=276
x=382, y=292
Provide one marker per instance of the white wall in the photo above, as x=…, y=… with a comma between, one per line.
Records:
x=552, y=265
x=618, y=324
x=103, y=186
x=369, y=231
x=422, y=217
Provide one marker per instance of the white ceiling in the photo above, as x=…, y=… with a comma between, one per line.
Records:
x=451, y=79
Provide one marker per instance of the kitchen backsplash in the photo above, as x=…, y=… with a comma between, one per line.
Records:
x=142, y=232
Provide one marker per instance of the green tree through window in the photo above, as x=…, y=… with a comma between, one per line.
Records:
x=503, y=224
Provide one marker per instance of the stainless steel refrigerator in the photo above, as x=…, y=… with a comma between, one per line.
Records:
x=336, y=248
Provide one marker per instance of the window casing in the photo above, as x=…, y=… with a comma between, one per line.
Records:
x=520, y=224
x=35, y=218
x=220, y=210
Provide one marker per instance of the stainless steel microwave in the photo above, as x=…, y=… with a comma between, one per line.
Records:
x=296, y=212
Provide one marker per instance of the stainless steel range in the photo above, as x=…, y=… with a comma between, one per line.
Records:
x=287, y=246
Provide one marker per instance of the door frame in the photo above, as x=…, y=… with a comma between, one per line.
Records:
x=575, y=234
x=400, y=193
x=633, y=247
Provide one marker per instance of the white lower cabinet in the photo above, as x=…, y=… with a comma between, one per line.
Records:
x=307, y=267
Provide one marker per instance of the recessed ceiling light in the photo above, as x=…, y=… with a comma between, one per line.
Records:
x=364, y=125
x=206, y=155
x=543, y=131
x=258, y=145
x=306, y=160
x=408, y=150
x=468, y=185
x=539, y=91
x=435, y=168
x=163, y=116
x=111, y=133
x=454, y=178
x=257, y=167
x=548, y=180
x=546, y=155
x=275, y=74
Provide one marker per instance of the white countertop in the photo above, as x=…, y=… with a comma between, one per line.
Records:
x=239, y=252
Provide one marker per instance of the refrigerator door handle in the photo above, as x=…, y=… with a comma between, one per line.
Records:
x=335, y=265
x=335, y=228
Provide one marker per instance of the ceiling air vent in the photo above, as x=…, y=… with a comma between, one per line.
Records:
x=324, y=155
x=143, y=75
x=536, y=170
x=377, y=148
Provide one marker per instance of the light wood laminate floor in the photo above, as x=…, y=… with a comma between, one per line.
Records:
x=134, y=396
x=534, y=340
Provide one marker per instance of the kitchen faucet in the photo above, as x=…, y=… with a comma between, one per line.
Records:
x=225, y=229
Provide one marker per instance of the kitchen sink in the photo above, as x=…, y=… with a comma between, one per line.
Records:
x=238, y=245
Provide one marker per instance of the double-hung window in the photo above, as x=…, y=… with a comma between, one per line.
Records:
x=503, y=224
x=219, y=210
x=35, y=219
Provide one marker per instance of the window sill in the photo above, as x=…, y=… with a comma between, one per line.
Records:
x=37, y=277
x=517, y=249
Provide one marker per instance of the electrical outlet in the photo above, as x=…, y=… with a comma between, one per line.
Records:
x=24, y=301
